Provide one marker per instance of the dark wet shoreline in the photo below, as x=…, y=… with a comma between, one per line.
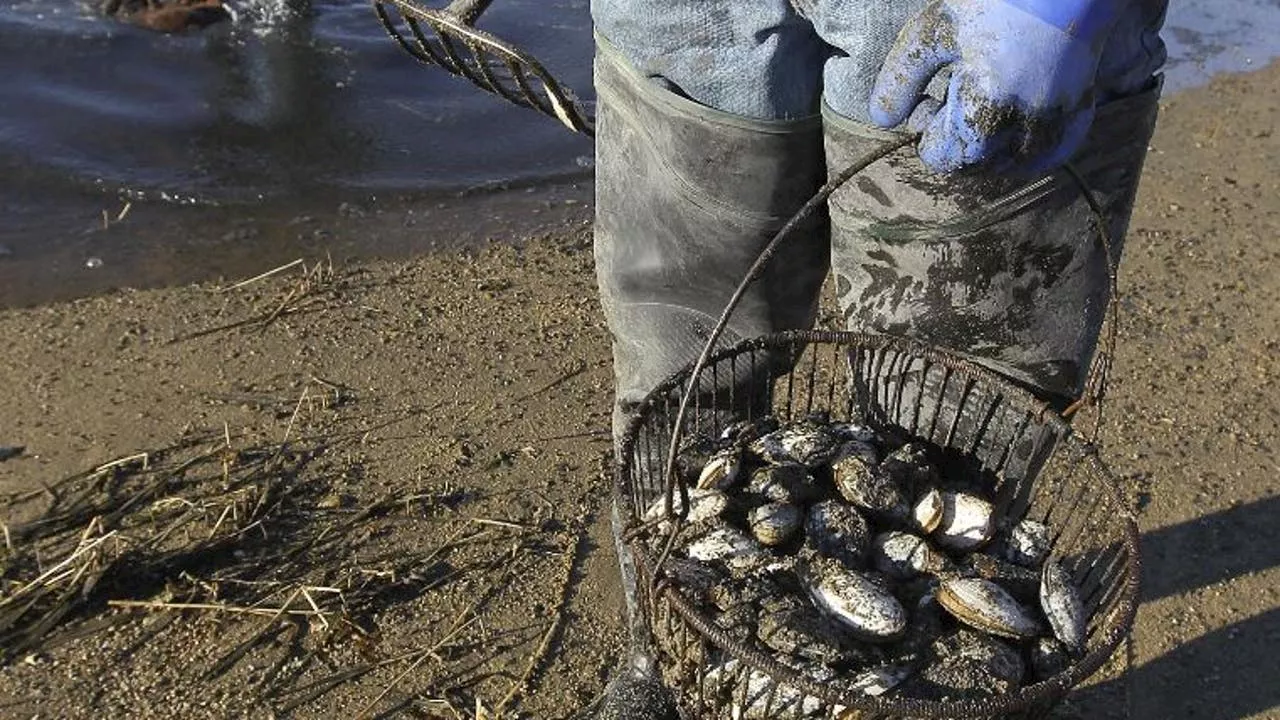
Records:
x=159, y=244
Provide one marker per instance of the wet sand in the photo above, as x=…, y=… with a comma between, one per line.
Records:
x=472, y=388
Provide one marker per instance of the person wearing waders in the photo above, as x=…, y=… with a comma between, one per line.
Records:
x=718, y=119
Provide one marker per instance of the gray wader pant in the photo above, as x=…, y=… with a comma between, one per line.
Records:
x=717, y=119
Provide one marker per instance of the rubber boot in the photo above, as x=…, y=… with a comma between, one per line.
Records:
x=686, y=198
x=1009, y=273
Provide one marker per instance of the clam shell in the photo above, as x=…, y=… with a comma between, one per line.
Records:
x=728, y=545
x=903, y=556
x=807, y=443
x=1026, y=544
x=1060, y=601
x=1022, y=583
x=870, y=489
x=789, y=482
x=986, y=606
x=927, y=513
x=722, y=471
x=858, y=601
x=838, y=531
x=967, y=521
x=704, y=505
x=775, y=523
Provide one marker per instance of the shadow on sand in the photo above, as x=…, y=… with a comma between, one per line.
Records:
x=1232, y=672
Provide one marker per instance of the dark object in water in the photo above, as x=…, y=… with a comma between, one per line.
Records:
x=7, y=452
x=170, y=16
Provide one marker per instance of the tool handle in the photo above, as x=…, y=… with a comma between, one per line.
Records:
x=468, y=11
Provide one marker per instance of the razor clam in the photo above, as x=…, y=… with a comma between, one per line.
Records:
x=808, y=443
x=729, y=545
x=788, y=482
x=722, y=470
x=775, y=523
x=927, y=512
x=1060, y=601
x=859, y=601
x=1026, y=544
x=1048, y=658
x=984, y=605
x=1022, y=583
x=838, y=531
x=966, y=522
x=870, y=489
x=903, y=556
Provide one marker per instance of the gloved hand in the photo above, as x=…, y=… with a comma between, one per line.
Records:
x=1021, y=93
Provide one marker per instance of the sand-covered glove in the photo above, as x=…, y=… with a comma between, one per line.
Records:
x=1021, y=92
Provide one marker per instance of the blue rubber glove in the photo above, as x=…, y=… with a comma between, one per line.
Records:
x=1021, y=93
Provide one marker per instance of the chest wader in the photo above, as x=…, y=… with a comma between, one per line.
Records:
x=1007, y=272
x=686, y=198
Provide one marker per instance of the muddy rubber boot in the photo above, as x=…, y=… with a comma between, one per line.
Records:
x=1009, y=273
x=686, y=198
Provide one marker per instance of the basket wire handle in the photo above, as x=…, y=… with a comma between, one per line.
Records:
x=1095, y=382
x=1095, y=386
x=756, y=270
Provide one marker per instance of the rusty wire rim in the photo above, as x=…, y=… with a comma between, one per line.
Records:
x=1113, y=625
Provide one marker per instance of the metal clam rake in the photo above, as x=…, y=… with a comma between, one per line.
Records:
x=447, y=38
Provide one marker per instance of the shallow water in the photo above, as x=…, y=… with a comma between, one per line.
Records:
x=291, y=112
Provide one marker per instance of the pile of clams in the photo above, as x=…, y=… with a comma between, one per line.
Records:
x=854, y=563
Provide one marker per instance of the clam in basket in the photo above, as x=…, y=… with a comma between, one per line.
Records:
x=984, y=437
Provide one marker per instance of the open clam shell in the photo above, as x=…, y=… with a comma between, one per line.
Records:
x=986, y=606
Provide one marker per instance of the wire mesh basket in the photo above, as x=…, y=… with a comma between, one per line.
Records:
x=987, y=429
